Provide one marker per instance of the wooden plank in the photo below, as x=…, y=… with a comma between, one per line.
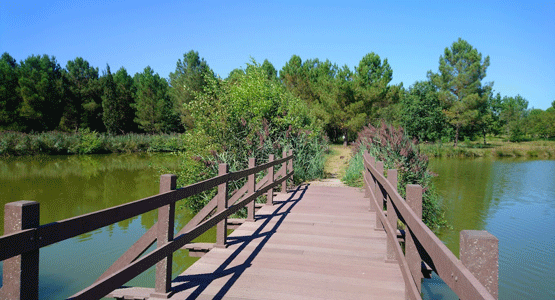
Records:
x=294, y=251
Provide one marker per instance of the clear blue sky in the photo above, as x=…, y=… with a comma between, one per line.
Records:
x=519, y=36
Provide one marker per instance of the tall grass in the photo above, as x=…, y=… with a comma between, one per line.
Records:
x=392, y=146
x=353, y=173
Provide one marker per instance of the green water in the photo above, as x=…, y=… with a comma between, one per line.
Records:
x=513, y=200
x=68, y=186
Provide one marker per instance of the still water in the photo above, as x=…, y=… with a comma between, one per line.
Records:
x=513, y=200
x=68, y=186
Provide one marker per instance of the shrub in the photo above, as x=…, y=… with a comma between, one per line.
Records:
x=392, y=146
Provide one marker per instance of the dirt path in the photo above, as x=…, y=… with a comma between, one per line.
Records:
x=336, y=163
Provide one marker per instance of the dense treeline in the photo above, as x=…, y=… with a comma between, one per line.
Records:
x=38, y=95
x=454, y=104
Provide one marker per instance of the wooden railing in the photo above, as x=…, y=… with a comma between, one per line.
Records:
x=23, y=237
x=474, y=276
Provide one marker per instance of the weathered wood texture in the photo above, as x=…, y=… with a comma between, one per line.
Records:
x=315, y=243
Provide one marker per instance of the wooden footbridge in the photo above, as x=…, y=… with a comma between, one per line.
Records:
x=304, y=242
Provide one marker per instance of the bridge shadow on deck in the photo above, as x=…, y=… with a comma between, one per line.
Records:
x=200, y=282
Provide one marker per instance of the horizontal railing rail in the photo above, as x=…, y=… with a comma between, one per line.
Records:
x=421, y=244
x=24, y=236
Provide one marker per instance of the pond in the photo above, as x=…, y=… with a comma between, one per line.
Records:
x=513, y=200
x=68, y=186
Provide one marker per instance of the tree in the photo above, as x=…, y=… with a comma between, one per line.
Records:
x=269, y=69
x=9, y=96
x=294, y=75
x=235, y=75
x=82, y=106
x=514, y=111
x=111, y=115
x=125, y=91
x=189, y=78
x=40, y=88
x=461, y=70
x=422, y=115
x=542, y=123
x=117, y=101
x=490, y=122
x=154, y=110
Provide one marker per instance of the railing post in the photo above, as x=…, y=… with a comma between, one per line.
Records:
x=479, y=252
x=270, y=195
x=284, y=168
x=391, y=217
x=372, y=185
x=290, y=166
x=414, y=261
x=166, y=217
x=221, y=228
x=379, y=196
x=365, y=156
x=21, y=272
x=251, y=183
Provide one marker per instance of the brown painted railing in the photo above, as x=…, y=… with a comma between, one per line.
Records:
x=23, y=236
x=474, y=276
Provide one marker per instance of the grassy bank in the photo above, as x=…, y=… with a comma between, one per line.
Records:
x=495, y=147
x=87, y=142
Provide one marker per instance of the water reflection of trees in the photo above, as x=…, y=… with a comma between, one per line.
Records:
x=87, y=166
x=465, y=187
x=68, y=186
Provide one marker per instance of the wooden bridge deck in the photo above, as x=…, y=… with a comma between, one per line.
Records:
x=318, y=242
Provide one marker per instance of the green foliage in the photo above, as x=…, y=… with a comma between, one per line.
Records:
x=422, y=114
x=117, y=101
x=542, y=123
x=154, y=110
x=9, y=96
x=344, y=100
x=514, y=110
x=88, y=142
x=125, y=91
x=40, y=88
x=189, y=78
x=111, y=115
x=248, y=116
x=392, y=146
x=271, y=72
x=353, y=173
x=83, y=103
x=461, y=70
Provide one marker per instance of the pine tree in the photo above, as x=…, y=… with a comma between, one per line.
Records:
x=461, y=70
x=111, y=115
